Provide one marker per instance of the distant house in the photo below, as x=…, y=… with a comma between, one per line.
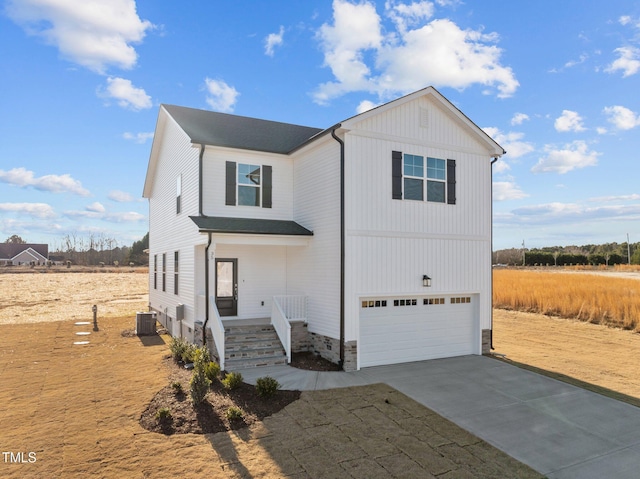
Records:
x=20, y=254
x=374, y=233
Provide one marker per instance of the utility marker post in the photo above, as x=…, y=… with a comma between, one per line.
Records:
x=95, y=317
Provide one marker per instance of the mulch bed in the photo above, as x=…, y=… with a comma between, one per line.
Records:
x=312, y=362
x=210, y=416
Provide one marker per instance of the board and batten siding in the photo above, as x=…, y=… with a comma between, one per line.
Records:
x=170, y=231
x=392, y=243
x=214, y=185
x=314, y=270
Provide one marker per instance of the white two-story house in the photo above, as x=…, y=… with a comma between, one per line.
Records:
x=368, y=242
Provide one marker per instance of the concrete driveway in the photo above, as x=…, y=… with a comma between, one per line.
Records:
x=560, y=430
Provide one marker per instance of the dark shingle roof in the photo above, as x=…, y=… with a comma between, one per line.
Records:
x=232, y=131
x=218, y=224
x=11, y=250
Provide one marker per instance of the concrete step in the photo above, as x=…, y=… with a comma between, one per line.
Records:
x=255, y=345
x=243, y=363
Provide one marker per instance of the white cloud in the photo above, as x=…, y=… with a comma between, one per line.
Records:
x=366, y=105
x=511, y=142
x=519, y=118
x=120, y=196
x=405, y=16
x=117, y=217
x=140, y=138
x=36, y=210
x=622, y=118
x=220, y=96
x=273, y=40
x=573, y=156
x=126, y=95
x=569, y=121
x=52, y=183
x=92, y=33
x=571, y=63
x=96, y=207
x=567, y=213
x=628, y=61
x=437, y=53
x=507, y=190
x=631, y=197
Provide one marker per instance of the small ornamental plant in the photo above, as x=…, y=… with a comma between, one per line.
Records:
x=163, y=414
x=199, y=384
x=177, y=387
x=177, y=346
x=267, y=386
x=234, y=413
x=212, y=371
x=232, y=380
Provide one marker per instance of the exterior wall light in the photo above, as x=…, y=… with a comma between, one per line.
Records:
x=426, y=281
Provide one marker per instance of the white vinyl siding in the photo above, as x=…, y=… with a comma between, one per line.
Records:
x=314, y=270
x=214, y=184
x=170, y=232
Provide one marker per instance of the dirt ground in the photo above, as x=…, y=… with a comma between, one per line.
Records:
x=59, y=296
x=72, y=410
x=76, y=408
x=583, y=353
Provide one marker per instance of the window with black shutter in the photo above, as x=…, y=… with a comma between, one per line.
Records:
x=248, y=185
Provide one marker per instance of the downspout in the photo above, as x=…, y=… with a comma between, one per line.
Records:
x=342, y=241
x=200, y=167
x=491, y=289
x=206, y=250
x=206, y=291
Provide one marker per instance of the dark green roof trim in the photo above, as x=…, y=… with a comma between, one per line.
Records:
x=220, y=224
x=232, y=131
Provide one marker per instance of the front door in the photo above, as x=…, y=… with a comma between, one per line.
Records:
x=227, y=286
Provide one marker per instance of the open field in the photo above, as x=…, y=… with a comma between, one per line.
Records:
x=58, y=296
x=598, y=297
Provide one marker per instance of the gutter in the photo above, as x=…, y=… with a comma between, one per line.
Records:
x=342, y=241
x=491, y=288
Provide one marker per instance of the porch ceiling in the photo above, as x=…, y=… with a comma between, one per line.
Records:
x=250, y=226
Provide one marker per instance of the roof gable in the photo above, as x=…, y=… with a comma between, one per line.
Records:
x=434, y=97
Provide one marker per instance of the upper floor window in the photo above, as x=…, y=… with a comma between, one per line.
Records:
x=248, y=185
x=415, y=179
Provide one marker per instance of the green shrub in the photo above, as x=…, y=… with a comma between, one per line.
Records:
x=163, y=414
x=177, y=346
x=232, y=380
x=234, y=413
x=177, y=387
x=199, y=384
x=212, y=370
x=188, y=355
x=267, y=386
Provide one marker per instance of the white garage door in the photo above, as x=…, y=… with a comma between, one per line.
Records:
x=398, y=330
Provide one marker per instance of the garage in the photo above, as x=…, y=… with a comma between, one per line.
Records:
x=398, y=330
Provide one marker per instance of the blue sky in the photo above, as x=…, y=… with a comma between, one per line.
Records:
x=555, y=83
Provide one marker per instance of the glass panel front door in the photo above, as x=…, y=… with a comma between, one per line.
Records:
x=227, y=286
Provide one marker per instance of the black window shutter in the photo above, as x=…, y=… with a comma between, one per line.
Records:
x=451, y=182
x=396, y=175
x=266, y=186
x=231, y=184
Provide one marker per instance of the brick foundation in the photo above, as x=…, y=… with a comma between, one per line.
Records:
x=486, y=341
x=300, y=341
x=329, y=349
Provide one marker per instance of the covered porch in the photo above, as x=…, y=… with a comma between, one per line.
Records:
x=247, y=296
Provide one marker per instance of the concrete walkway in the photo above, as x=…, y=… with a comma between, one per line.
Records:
x=560, y=430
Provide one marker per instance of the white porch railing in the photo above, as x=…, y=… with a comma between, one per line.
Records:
x=284, y=309
x=217, y=331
